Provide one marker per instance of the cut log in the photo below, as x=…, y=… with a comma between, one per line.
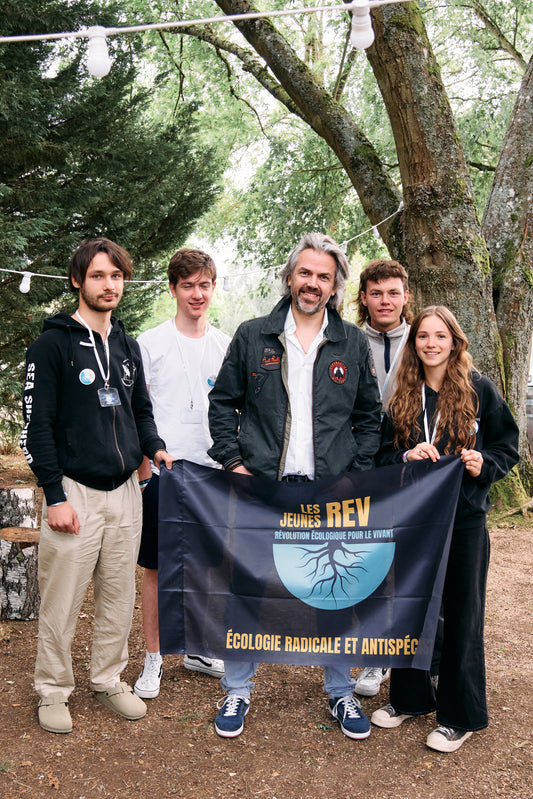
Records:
x=19, y=540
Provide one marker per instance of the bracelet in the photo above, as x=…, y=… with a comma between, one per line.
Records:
x=144, y=483
x=405, y=454
x=234, y=465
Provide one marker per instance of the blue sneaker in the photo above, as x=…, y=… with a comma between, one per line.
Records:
x=230, y=718
x=347, y=711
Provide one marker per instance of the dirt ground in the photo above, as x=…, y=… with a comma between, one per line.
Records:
x=290, y=747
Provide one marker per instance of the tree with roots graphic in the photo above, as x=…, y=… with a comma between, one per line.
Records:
x=333, y=568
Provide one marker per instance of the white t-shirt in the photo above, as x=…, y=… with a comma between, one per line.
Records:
x=180, y=372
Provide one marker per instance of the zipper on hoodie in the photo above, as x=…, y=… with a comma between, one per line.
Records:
x=116, y=439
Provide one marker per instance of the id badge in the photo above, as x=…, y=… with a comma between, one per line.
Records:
x=191, y=416
x=108, y=397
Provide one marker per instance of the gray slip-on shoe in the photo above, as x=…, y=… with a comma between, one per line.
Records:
x=53, y=712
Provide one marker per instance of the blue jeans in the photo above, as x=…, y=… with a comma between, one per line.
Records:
x=460, y=699
x=239, y=673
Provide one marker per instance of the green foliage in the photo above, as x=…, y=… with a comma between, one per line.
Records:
x=82, y=157
x=482, y=63
x=300, y=187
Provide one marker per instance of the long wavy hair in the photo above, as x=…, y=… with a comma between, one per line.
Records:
x=457, y=401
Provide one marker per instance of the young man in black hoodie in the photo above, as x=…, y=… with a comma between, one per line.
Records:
x=88, y=422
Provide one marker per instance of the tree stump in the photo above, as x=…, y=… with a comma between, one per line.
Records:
x=19, y=546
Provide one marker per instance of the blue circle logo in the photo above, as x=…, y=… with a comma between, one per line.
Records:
x=333, y=575
x=87, y=377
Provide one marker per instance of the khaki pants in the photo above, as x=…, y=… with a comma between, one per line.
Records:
x=106, y=550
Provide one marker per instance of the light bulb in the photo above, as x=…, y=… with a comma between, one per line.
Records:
x=362, y=34
x=98, y=61
x=25, y=283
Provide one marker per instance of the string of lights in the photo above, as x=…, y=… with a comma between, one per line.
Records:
x=270, y=273
x=99, y=63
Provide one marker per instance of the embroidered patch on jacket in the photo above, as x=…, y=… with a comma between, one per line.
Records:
x=271, y=359
x=129, y=373
x=338, y=371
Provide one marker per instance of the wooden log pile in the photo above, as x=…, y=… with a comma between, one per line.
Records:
x=19, y=547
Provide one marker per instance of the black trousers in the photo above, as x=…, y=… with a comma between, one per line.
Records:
x=460, y=699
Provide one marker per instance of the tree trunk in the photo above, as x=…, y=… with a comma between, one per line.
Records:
x=19, y=538
x=444, y=250
x=508, y=229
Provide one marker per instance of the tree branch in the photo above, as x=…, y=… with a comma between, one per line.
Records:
x=316, y=106
x=249, y=63
x=491, y=25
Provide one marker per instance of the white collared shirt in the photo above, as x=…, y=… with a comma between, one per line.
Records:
x=300, y=457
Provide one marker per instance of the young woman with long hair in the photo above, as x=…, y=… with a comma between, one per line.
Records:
x=442, y=405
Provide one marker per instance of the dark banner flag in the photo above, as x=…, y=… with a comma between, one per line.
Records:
x=349, y=568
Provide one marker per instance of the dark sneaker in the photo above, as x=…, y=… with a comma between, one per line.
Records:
x=446, y=739
x=347, y=711
x=230, y=718
x=211, y=666
x=388, y=717
x=369, y=681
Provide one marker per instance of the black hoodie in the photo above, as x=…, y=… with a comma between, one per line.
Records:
x=67, y=431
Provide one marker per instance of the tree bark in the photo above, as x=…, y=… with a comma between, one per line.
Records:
x=508, y=229
x=444, y=250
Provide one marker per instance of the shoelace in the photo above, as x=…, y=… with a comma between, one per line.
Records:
x=151, y=668
x=232, y=704
x=351, y=708
x=372, y=672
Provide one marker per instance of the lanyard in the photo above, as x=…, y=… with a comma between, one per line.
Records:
x=426, y=425
x=200, y=360
x=393, y=364
x=105, y=375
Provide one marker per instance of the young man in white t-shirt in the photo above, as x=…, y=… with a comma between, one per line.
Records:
x=181, y=359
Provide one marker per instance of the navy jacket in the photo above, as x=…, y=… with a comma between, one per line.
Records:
x=67, y=431
x=249, y=410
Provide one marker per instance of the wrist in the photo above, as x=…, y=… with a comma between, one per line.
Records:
x=405, y=454
x=232, y=465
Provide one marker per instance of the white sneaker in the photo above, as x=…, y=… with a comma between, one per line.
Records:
x=211, y=666
x=446, y=739
x=149, y=682
x=369, y=681
x=388, y=717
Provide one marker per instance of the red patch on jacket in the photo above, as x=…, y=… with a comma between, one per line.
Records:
x=338, y=371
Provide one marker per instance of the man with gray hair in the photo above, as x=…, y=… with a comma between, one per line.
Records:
x=297, y=399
